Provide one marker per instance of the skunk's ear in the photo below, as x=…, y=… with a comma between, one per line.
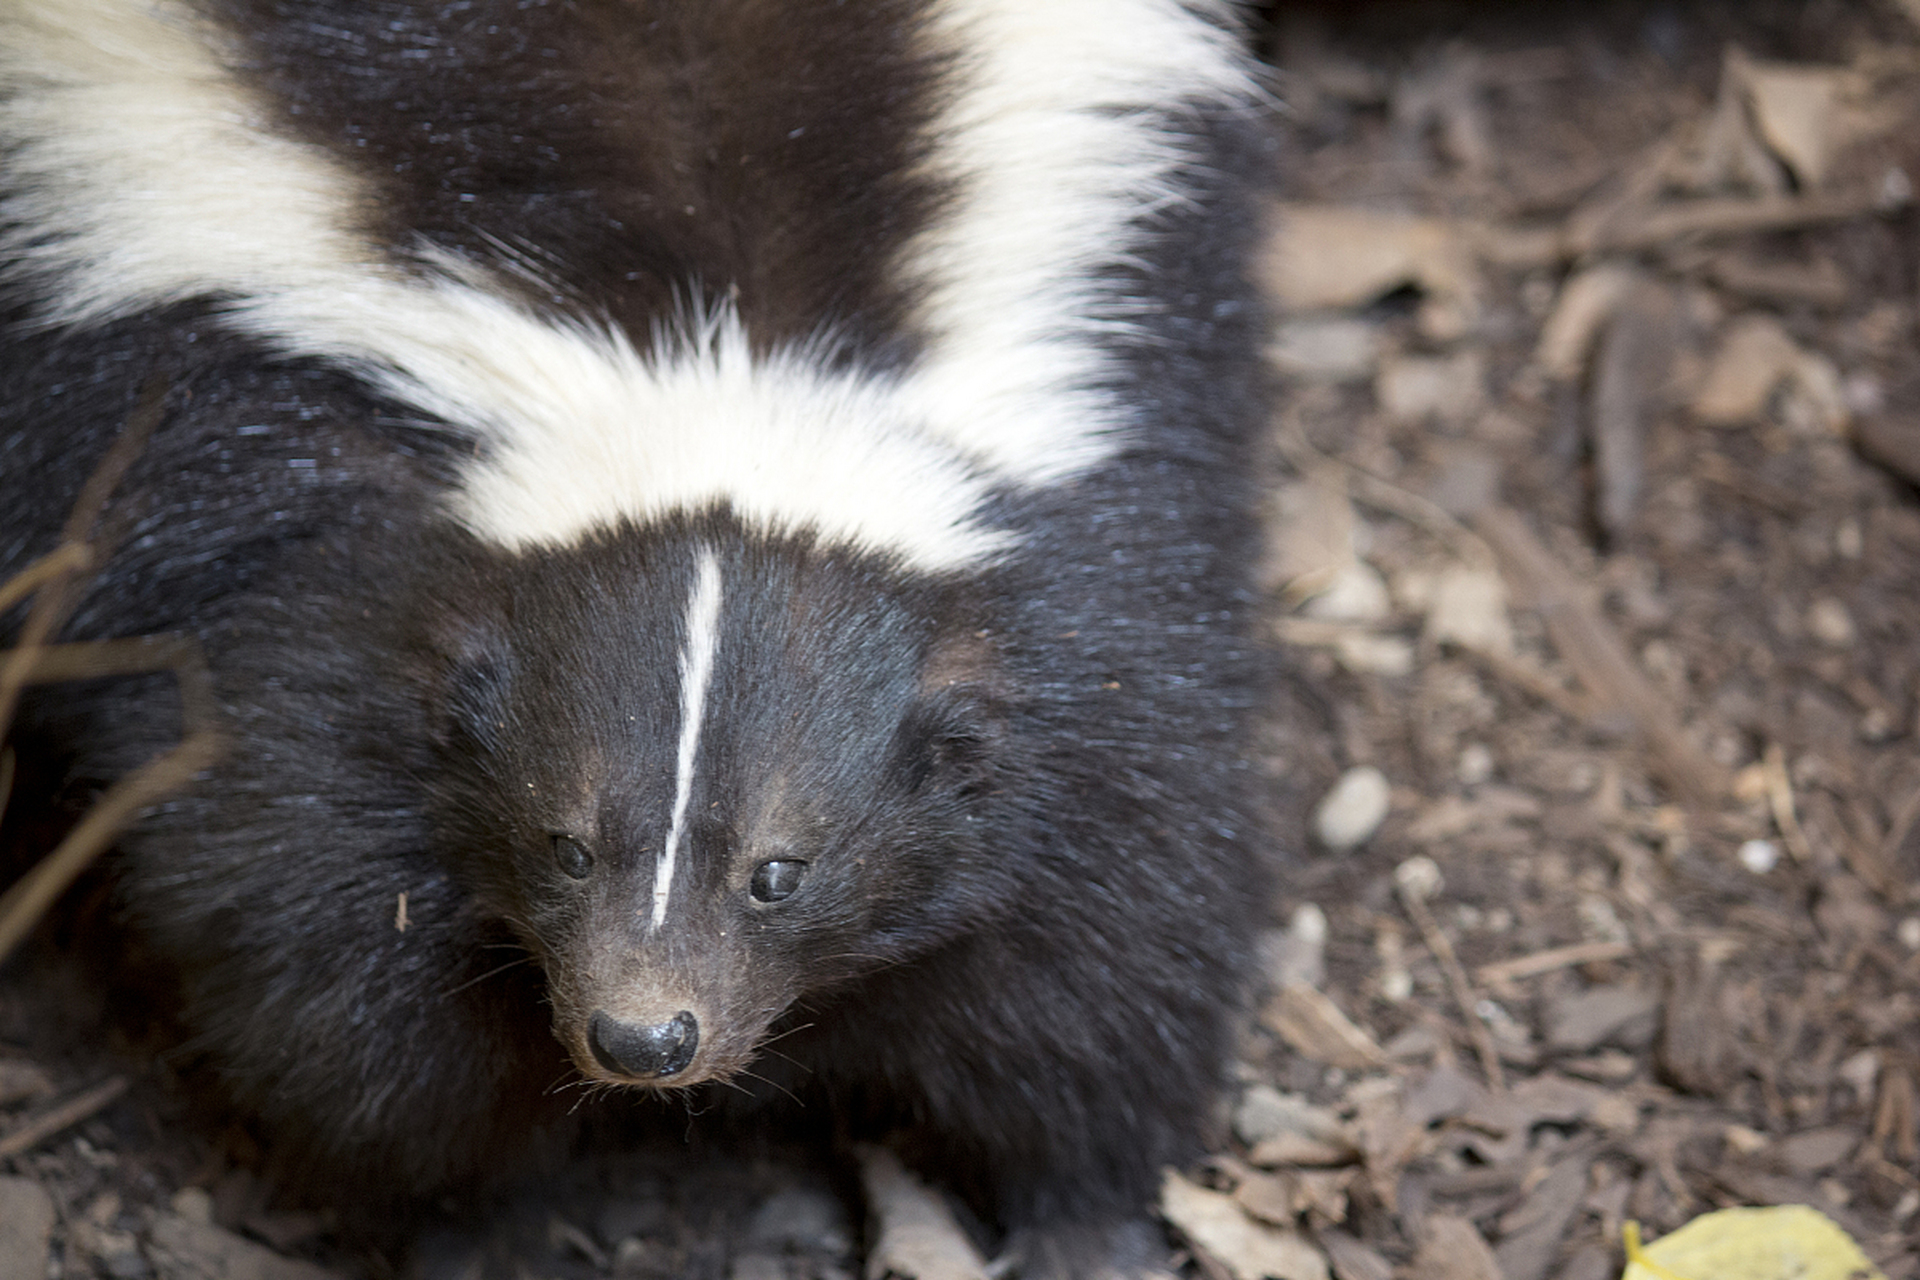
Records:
x=468, y=674
x=951, y=738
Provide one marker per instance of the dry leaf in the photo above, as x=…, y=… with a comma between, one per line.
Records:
x=1786, y=1242
x=1316, y=1029
x=1214, y=1224
x=1325, y=257
x=1798, y=112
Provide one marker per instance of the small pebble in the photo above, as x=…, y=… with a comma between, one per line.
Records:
x=1353, y=810
x=193, y=1203
x=1368, y=654
x=1298, y=953
x=1419, y=877
x=1861, y=1071
x=1357, y=593
x=1258, y=1117
x=1759, y=856
x=1505, y=1027
x=795, y=1219
x=756, y=1266
x=1830, y=623
x=1908, y=932
x=1335, y=350
x=1475, y=765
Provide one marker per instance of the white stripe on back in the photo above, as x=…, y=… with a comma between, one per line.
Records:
x=696, y=673
x=143, y=173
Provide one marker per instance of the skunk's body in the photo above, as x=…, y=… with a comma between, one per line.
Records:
x=747, y=502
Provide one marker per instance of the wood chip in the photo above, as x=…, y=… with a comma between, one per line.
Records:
x=1798, y=111
x=1894, y=443
x=1531, y=1234
x=1214, y=1223
x=1530, y=966
x=1581, y=313
x=1289, y=1194
x=1468, y=607
x=1266, y=1113
x=1604, y=1015
x=1816, y=1150
x=1452, y=1249
x=1754, y=357
x=916, y=1237
x=1628, y=389
x=23, y=1081
x=26, y=1229
x=1353, y=1260
x=1313, y=1025
x=186, y=1250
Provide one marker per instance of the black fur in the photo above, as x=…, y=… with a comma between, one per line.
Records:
x=632, y=149
x=1020, y=794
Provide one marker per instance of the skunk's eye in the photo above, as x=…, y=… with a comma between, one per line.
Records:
x=773, y=881
x=572, y=857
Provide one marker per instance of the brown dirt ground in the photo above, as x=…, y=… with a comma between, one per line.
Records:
x=1629, y=625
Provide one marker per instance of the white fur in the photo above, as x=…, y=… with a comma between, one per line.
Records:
x=129, y=137
x=1053, y=145
x=696, y=673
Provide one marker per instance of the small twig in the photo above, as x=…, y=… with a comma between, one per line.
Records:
x=22, y=905
x=1539, y=962
x=1651, y=227
x=1459, y=984
x=68, y=557
x=1378, y=492
x=1780, y=801
x=57, y=590
x=35, y=1129
x=56, y=582
x=1595, y=652
x=1531, y=679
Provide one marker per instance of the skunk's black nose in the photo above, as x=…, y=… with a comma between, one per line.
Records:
x=644, y=1053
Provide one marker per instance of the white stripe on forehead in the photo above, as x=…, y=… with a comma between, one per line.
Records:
x=696, y=673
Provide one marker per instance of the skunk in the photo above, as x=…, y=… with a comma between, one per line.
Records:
x=721, y=531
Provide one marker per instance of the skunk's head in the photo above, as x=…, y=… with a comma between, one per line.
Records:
x=707, y=777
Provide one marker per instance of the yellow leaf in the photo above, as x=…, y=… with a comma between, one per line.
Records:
x=1786, y=1242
